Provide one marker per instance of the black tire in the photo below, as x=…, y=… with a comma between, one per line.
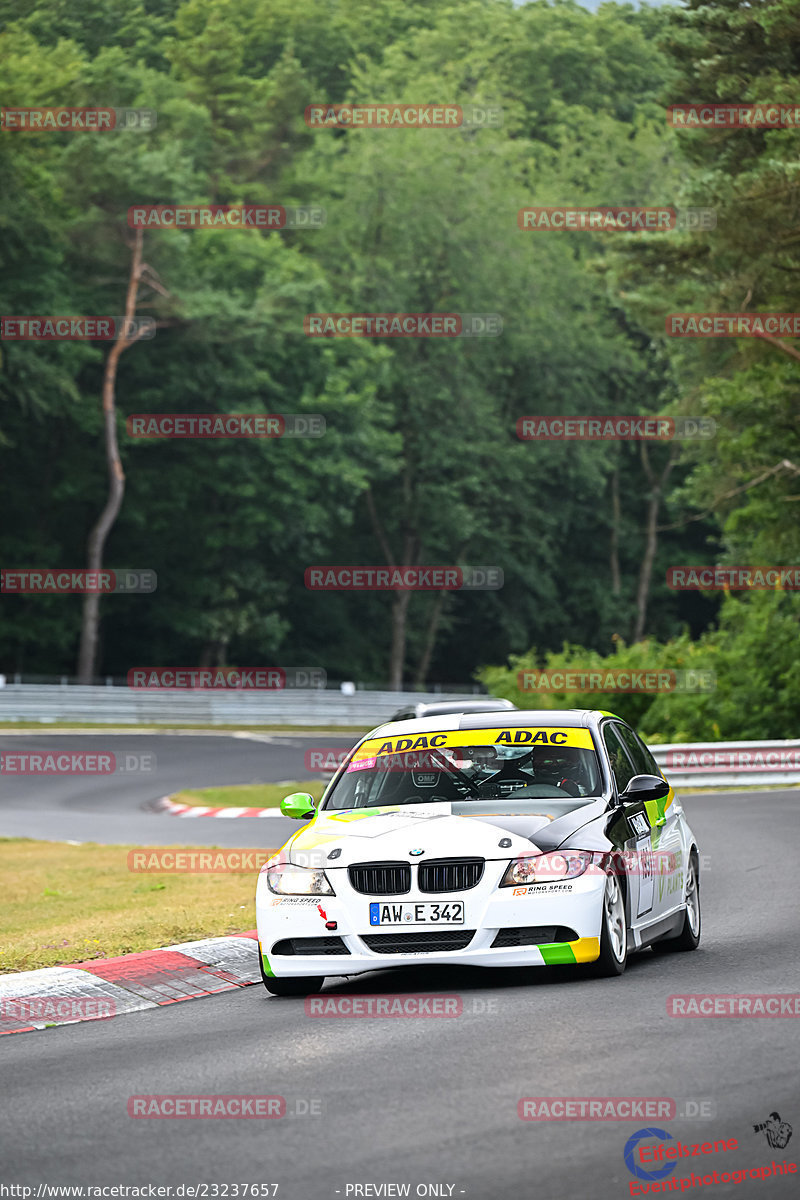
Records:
x=293, y=985
x=614, y=930
x=689, y=936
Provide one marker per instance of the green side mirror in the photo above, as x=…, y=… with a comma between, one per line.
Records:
x=299, y=805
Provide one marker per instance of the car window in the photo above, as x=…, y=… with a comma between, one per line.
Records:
x=655, y=769
x=620, y=763
x=642, y=758
x=477, y=767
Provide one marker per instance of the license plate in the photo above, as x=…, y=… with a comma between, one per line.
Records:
x=427, y=913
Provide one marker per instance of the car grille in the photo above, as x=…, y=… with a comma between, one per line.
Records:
x=533, y=935
x=449, y=874
x=423, y=943
x=381, y=879
x=312, y=945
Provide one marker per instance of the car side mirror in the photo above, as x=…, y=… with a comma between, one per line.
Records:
x=645, y=787
x=298, y=806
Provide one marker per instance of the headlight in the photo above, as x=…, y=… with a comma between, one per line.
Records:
x=287, y=880
x=564, y=864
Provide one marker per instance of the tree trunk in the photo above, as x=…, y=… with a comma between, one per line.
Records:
x=430, y=638
x=657, y=485
x=615, y=522
x=397, y=655
x=402, y=599
x=90, y=628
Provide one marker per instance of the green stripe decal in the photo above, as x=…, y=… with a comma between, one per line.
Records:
x=265, y=963
x=554, y=953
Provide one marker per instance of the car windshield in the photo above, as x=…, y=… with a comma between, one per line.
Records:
x=466, y=766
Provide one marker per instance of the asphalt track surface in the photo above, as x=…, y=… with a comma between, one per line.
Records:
x=113, y=809
x=413, y=1102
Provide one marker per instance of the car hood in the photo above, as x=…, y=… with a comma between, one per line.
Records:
x=571, y=829
x=364, y=835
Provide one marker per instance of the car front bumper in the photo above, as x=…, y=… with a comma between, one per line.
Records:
x=574, y=908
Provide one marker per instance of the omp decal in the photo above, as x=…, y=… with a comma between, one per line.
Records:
x=375, y=747
x=583, y=950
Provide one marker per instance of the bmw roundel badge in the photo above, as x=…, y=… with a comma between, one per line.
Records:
x=416, y=853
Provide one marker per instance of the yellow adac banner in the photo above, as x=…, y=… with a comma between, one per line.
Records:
x=531, y=737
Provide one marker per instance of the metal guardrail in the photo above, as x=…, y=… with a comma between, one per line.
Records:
x=706, y=764
x=728, y=764
x=46, y=704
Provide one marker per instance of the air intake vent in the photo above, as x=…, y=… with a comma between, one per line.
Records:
x=381, y=879
x=450, y=874
x=533, y=935
x=312, y=945
x=419, y=943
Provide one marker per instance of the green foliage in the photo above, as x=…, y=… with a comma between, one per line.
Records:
x=420, y=453
x=751, y=657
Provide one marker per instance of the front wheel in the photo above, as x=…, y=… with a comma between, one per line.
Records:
x=689, y=936
x=614, y=932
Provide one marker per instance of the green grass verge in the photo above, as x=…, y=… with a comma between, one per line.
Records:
x=249, y=795
x=64, y=904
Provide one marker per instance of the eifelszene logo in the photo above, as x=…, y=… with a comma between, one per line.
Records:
x=776, y=1131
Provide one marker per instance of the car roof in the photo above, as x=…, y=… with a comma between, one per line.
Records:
x=443, y=707
x=537, y=718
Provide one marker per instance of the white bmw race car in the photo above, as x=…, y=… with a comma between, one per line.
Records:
x=513, y=839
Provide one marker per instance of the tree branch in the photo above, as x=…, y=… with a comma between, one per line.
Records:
x=783, y=465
